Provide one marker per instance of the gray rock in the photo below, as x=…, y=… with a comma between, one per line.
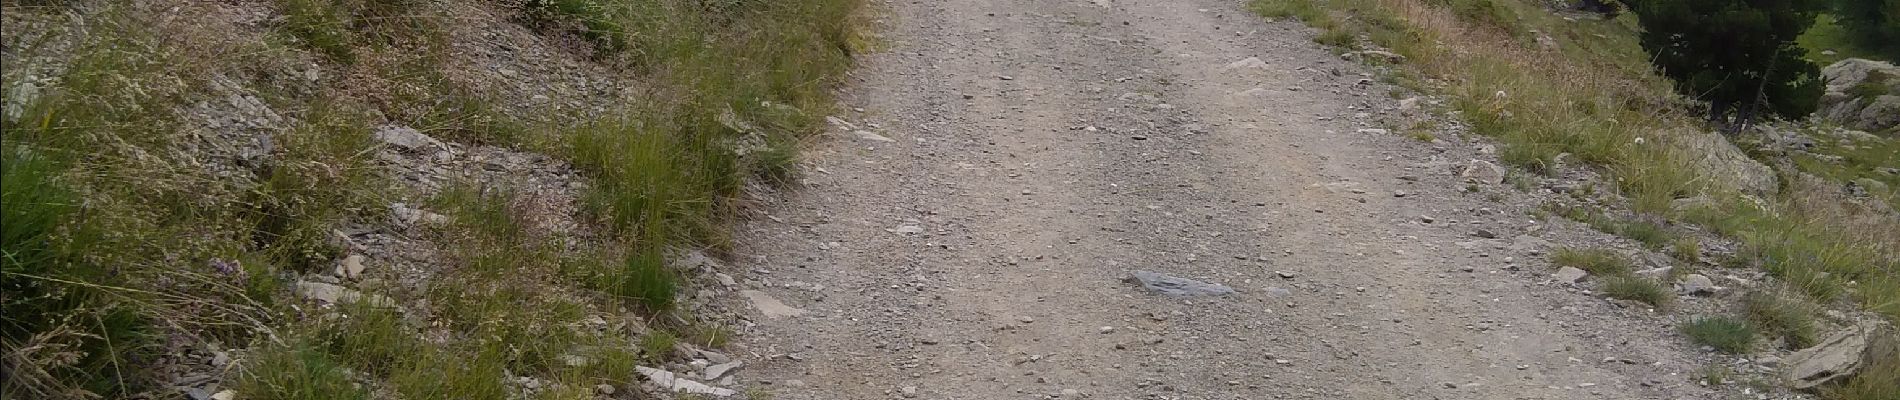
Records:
x=1697, y=284
x=1769, y=361
x=351, y=267
x=1845, y=103
x=407, y=138
x=405, y=215
x=867, y=135
x=725, y=280
x=670, y=381
x=1249, y=63
x=1409, y=104
x=1481, y=171
x=1840, y=356
x=1278, y=292
x=1569, y=275
x=717, y=370
x=1729, y=167
x=334, y=294
x=769, y=306
x=715, y=357
x=1176, y=286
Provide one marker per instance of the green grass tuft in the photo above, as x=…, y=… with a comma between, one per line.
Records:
x=1337, y=38
x=1639, y=289
x=657, y=345
x=1724, y=334
x=1650, y=234
x=296, y=372
x=1789, y=318
x=448, y=374
x=1687, y=249
x=1603, y=262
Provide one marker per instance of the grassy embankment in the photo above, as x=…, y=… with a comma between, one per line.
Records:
x=124, y=238
x=1587, y=91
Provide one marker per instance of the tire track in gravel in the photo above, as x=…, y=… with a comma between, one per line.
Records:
x=1046, y=148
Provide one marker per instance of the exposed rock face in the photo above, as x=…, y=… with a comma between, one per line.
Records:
x=1863, y=95
x=1727, y=165
x=1841, y=355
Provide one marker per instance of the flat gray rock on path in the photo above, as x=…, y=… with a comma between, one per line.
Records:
x=1176, y=286
x=1040, y=192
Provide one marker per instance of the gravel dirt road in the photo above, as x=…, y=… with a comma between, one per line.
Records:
x=1039, y=151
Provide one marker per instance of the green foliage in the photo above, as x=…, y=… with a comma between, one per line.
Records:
x=1596, y=261
x=335, y=27
x=1874, y=24
x=1738, y=56
x=296, y=372
x=645, y=279
x=1878, y=83
x=1724, y=334
x=1310, y=12
x=656, y=345
x=368, y=338
x=1828, y=34
x=1337, y=38
x=1639, y=289
x=474, y=374
x=1304, y=10
x=1788, y=318
x=1486, y=13
x=712, y=336
x=1687, y=249
x=321, y=174
x=1650, y=234
x=320, y=24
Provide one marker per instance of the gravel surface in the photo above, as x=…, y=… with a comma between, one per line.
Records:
x=967, y=229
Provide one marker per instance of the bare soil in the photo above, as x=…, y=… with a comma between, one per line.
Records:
x=1044, y=149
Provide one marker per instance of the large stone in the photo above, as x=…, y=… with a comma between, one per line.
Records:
x=1724, y=164
x=670, y=381
x=1176, y=286
x=771, y=307
x=1844, y=75
x=1862, y=94
x=1697, y=284
x=1569, y=275
x=1481, y=171
x=351, y=267
x=717, y=370
x=407, y=138
x=1840, y=356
